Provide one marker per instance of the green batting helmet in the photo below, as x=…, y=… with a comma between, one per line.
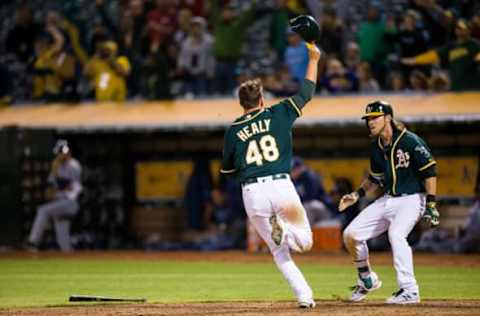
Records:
x=306, y=27
x=377, y=108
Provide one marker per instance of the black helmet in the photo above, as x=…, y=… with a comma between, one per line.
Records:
x=306, y=27
x=377, y=108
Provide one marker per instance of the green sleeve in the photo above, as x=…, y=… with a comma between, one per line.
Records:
x=376, y=174
x=305, y=94
x=228, y=166
x=422, y=159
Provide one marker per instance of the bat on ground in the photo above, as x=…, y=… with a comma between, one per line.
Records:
x=97, y=298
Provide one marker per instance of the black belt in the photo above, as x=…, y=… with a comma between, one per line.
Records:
x=277, y=176
x=400, y=194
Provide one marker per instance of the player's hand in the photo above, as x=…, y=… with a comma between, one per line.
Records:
x=313, y=52
x=347, y=201
x=431, y=215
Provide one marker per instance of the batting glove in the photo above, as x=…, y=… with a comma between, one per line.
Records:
x=431, y=215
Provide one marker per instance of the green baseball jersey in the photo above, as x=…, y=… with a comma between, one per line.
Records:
x=259, y=143
x=402, y=166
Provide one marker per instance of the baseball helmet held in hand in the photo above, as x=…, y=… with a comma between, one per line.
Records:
x=306, y=27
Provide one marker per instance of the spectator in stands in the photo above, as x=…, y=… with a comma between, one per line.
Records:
x=106, y=71
x=373, y=43
x=65, y=179
x=433, y=17
x=196, y=62
x=352, y=56
x=229, y=29
x=296, y=56
x=309, y=187
x=21, y=38
x=52, y=66
x=396, y=82
x=418, y=81
x=366, y=82
x=410, y=39
x=337, y=79
x=332, y=28
x=184, y=19
x=461, y=58
x=161, y=22
x=439, y=82
x=128, y=37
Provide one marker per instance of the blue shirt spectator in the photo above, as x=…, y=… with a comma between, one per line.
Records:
x=296, y=56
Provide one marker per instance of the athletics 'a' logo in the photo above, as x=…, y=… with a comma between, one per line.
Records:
x=403, y=159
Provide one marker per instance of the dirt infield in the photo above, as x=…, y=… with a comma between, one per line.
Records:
x=330, y=308
x=337, y=258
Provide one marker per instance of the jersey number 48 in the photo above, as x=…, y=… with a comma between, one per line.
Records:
x=265, y=149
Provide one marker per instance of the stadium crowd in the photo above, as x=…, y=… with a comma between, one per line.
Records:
x=107, y=50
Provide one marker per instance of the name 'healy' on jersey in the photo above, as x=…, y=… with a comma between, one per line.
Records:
x=255, y=128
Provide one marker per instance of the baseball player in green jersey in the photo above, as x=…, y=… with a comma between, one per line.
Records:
x=402, y=166
x=258, y=151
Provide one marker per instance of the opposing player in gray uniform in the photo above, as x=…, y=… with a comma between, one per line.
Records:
x=402, y=166
x=65, y=178
x=258, y=151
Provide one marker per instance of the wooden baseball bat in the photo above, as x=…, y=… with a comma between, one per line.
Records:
x=97, y=298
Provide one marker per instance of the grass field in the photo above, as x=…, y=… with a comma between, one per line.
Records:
x=25, y=282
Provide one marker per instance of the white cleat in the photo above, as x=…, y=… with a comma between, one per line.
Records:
x=365, y=286
x=306, y=304
x=403, y=296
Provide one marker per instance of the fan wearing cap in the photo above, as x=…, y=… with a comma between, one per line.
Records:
x=461, y=57
x=65, y=178
x=403, y=168
x=106, y=70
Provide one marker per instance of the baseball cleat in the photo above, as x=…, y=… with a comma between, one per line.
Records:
x=277, y=230
x=403, y=296
x=365, y=286
x=307, y=304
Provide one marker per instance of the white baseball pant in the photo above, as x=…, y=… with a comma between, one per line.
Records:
x=398, y=215
x=267, y=197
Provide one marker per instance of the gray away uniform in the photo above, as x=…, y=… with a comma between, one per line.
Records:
x=62, y=208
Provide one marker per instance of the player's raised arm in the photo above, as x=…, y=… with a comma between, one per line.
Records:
x=313, y=58
x=307, y=89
